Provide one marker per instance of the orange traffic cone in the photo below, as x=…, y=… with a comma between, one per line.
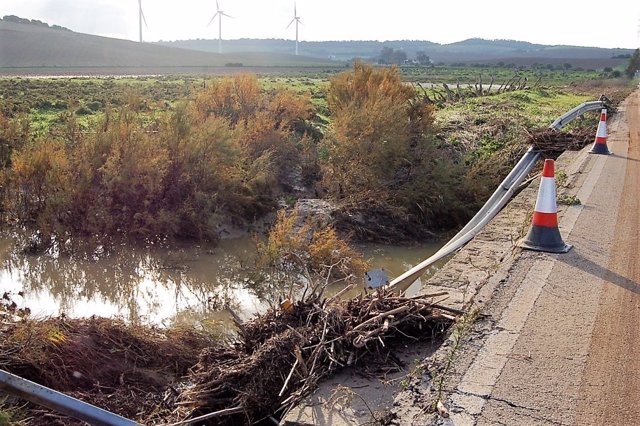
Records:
x=600, y=145
x=544, y=234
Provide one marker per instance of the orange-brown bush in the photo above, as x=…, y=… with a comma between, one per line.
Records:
x=293, y=246
x=14, y=133
x=217, y=159
x=267, y=125
x=41, y=170
x=381, y=158
x=369, y=137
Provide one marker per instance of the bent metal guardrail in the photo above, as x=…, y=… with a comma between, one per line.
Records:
x=73, y=407
x=496, y=202
x=60, y=402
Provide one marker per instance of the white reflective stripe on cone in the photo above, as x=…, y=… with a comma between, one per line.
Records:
x=602, y=130
x=546, y=202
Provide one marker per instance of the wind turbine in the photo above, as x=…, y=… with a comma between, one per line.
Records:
x=297, y=20
x=141, y=18
x=219, y=14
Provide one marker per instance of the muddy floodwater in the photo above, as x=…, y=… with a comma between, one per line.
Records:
x=157, y=285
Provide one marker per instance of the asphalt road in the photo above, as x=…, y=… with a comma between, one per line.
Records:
x=610, y=388
x=565, y=346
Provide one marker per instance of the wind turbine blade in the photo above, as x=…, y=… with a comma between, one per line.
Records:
x=228, y=16
x=291, y=23
x=214, y=17
x=144, y=19
x=294, y=9
x=217, y=6
x=299, y=21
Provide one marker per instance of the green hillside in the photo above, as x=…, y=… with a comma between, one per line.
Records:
x=31, y=46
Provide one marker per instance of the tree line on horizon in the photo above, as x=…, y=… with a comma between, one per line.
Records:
x=36, y=22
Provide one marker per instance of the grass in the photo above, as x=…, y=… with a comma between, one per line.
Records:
x=315, y=86
x=569, y=200
x=561, y=177
x=539, y=106
x=5, y=418
x=10, y=415
x=460, y=332
x=487, y=124
x=45, y=100
x=471, y=74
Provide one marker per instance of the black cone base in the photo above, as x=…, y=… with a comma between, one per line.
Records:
x=542, y=238
x=600, y=148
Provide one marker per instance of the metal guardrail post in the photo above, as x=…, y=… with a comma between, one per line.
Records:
x=60, y=402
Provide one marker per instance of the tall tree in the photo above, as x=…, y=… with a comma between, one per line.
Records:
x=423, y=58
x=390, y=56
x=386, y=55
x=634, y=64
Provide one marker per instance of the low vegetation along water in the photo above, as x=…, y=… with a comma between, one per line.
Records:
x=159, y=285
x=187, y=160
x=151, y=158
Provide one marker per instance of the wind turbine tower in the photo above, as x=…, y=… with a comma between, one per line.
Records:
x=297, y=20
x=219, y=14
x=141, y=18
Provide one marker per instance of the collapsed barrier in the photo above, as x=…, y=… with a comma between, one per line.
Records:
x=497, y=201
x=97, y=416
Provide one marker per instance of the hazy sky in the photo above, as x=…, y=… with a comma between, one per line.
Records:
x=583, y=23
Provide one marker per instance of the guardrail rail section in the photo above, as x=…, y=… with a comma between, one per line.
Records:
x=497, y=201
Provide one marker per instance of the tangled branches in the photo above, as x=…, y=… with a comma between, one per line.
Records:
x=283, y=354
x=551, y=141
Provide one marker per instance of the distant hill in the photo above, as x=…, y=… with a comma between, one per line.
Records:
x=30, y=46
x=467, y=51
x=336, y=50
x=34, y=46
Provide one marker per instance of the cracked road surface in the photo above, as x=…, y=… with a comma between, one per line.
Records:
x=566, y=348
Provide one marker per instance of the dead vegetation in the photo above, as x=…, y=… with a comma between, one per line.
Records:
x=298, y=347
x=479, y=88
x=118, y=367
x=552, y=141
x=157, y=376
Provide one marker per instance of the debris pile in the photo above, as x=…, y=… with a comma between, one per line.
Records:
x=552, y=141
x=274, y=362
x=121, y=368
x=283, y=354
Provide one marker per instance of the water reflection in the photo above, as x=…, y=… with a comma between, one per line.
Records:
x=155, y=285
x=140, y=285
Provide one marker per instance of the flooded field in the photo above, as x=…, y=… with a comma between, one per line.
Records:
x=157, y=285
